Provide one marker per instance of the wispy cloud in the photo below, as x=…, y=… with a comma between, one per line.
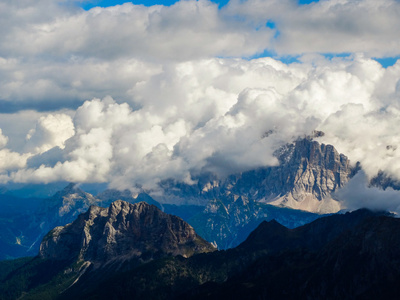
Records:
x=358, y=194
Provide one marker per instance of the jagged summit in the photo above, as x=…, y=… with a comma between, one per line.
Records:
x=305, y=179
x=307, y=174
x=70, y=202
x=120, y=232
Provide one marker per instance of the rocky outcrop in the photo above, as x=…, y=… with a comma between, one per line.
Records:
x=310, y=172
x=123, y=231
x=305, y=179
x=307, y=174
x=384, y=181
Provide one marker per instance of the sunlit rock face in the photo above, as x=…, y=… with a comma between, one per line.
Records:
x=305, y=179
x=307, y=174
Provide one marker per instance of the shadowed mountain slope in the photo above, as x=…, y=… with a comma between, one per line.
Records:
x=136, y=251
x=99, y=244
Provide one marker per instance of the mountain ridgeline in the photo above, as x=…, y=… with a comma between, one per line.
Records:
x=122, y=231
x=307, y=174
x=99, y=244
x=223, y=211
x=278, y=243
x=136, y=251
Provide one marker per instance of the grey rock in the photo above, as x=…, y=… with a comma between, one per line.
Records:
x=307, y=174
x=123, y=231
x=225, y=210
x=384, y=181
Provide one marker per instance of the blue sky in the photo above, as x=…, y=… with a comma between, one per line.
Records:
x=387, y=61
x=106, y=3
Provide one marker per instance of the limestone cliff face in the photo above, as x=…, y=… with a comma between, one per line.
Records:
x=314, y=168
x=310, y=172
x=307, y=174
x=123, y=231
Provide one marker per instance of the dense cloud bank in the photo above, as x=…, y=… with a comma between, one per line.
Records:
x=55, y=55
x=131, y=94
x=219, y=115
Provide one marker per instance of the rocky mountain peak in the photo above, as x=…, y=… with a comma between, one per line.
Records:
x=307, y=174
x=120, y=232
x=312, y=152
x=71, y=201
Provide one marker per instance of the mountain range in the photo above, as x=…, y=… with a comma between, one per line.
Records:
x=300, y=189
x=136, y=251
x=307, y=175
x=270, y=233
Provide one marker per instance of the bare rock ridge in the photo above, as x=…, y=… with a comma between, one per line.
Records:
x=307, y=174
x=123, y=231
x=311, y=172
x=314, y=168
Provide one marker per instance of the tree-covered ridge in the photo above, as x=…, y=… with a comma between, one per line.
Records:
x=350, y=256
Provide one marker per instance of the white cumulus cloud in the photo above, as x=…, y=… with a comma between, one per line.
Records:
x=175, y=90
x=221, y=115
x=50, y=131
x=358, y=194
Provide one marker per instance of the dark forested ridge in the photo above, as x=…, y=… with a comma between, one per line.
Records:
x=351, y=256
